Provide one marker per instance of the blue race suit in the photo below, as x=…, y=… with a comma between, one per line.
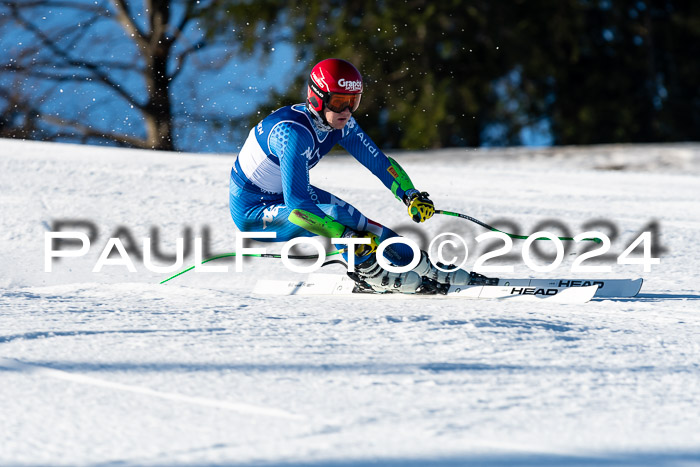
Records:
x=270, y=178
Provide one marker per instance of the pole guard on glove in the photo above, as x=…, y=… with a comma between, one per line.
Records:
x=420, y=207
x=364, y=248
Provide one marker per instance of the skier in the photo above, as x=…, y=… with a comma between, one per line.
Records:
x=270, y=189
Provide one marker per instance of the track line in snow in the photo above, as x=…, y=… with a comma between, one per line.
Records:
x=201, y=401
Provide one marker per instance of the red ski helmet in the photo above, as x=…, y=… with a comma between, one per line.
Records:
x=336, y=84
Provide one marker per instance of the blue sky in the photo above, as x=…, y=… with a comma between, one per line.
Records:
x=204, y=90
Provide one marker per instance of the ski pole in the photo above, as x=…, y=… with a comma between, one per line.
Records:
x=493, y=229
x=255, y=255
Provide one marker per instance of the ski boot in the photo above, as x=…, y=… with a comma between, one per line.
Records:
x=371, y=277
x=441, y=280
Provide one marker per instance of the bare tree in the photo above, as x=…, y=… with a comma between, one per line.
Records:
x=132, y=53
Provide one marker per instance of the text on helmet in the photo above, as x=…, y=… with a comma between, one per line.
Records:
x=350, y=85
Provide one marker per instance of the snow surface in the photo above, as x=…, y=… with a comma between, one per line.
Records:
x=112, y=368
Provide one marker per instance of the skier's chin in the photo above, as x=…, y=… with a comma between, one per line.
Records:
x=337, y=120
x=339, y=123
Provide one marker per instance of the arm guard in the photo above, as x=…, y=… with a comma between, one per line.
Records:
x=326, y=226
x=401, y=180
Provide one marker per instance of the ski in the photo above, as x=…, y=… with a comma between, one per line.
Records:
x=340, y=285
x=607, y=288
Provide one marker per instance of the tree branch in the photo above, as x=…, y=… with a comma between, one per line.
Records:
x=52, y=66
x=180, y=59
x=90, y=66
x=129, y=24
x=55, y=4
x=90, y=132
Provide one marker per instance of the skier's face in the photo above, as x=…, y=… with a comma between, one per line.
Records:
x=337, y=120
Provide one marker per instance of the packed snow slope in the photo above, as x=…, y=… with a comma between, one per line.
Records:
x=112, y=368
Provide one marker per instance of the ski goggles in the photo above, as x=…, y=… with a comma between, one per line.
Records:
x=339, y=102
